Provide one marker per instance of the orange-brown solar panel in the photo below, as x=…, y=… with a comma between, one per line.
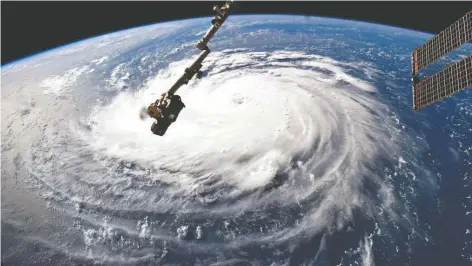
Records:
x=448, y=81
x=453, y=78
x=440, y=45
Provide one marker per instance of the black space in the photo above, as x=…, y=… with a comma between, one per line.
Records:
x=32, y=27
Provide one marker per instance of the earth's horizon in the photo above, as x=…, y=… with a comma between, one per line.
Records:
x=206, y=18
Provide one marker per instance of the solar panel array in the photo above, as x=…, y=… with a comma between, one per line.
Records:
x=449, y=39
x=450, y=80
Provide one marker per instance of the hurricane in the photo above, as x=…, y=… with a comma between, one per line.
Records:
x=277, y=157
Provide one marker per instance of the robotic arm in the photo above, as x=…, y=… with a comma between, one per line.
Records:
x=222, y=14
x=166, y=109
x=190, y=71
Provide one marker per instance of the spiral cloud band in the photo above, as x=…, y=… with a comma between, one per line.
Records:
x=271, y=146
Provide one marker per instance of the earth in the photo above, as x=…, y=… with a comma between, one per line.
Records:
x=299, y=146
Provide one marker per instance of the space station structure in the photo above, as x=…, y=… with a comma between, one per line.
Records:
x=451, y=79
x=166, y=109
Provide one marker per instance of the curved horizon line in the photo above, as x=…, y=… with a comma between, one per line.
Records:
x=194, y=18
